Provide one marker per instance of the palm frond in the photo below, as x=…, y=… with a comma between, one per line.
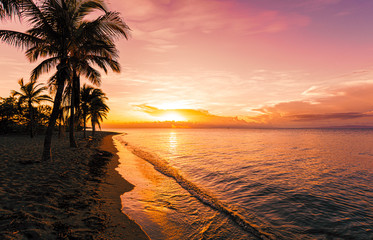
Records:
x=18, y=39
x=44, y=66
x=86, y=7
x=10, y=8
x=35, y=16
x=40, y=50
x=108, y=26
x=91, y=74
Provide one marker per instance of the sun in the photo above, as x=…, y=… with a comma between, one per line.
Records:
x=171, y=116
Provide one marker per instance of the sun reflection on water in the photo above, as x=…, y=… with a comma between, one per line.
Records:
x=173, y=141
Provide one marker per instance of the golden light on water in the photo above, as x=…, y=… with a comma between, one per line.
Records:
x=173, y=141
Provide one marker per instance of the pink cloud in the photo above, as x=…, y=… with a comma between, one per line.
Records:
x=349, y=104
x=317, y=4
x=153, y=20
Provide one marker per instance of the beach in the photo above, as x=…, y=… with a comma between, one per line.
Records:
x=74, y=196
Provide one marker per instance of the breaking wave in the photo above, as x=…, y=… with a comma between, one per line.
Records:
x=204, y=196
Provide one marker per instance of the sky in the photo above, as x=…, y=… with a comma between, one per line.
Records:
x=243, y=63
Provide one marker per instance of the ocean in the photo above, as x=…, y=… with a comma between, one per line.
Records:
x=249, y=183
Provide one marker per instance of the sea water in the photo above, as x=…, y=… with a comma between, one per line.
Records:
x=249, y=183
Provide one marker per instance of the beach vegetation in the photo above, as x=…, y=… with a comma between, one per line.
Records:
x=97, y=112
x=30, y=94
x=9, y=115
x=61, y=34
x=93, y=45
x=14, y=116
x=93, y=106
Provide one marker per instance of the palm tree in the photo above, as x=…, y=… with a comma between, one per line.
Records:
x=97, y=109
x=9, y=8
x=31, y=93
x=85, y=99
x=89, y=42
x=62, y=120
x=52, y=36
x=88, y=96
x=100, y=51
x=50, y=32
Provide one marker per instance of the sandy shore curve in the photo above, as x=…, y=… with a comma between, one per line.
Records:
x=74, y=196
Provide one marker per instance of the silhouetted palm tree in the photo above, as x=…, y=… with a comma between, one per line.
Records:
x=52, y=35
x=92, y=48
x=89, y=96
x=89, y=42
x=9, y=8
x=85, y=99
x=31, y=93
x=50, y=32
x=97, y=109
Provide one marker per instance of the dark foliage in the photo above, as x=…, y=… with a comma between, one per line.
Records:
x=14, y=116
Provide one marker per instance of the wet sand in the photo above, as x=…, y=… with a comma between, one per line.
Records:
x=74, y=196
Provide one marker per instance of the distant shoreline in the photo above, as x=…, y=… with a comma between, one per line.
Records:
x=146, y=126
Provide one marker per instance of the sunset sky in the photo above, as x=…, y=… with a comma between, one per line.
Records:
x=260, y=63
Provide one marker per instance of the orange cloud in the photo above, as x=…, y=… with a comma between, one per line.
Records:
x=350, y=104
x=194, y=118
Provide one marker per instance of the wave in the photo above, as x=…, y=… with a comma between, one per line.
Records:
x=204, y=196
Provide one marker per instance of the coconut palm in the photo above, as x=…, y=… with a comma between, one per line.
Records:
x=31, y=94
x=89, y=47
x=50, y=32
x=85, y=99
x=89, y=42
x=97, y=109
x=9, y=8
x=101, y=52
x=52, y=35
x=88, y=94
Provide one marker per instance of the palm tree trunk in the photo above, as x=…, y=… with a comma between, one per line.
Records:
x=77, y=94
x=72, y=118
x=84, y=124
x=31, y=120
x=72, y=111
x=93, y=128
x=61, y=76
x=59, y=130
x=72, y=125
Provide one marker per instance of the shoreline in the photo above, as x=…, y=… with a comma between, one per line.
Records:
x=74, y=196
x=111, y=189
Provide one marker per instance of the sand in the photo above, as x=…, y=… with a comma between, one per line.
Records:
x=74, y=196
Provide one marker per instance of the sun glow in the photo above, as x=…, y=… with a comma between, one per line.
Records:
x=171, y=116
x=171, y=105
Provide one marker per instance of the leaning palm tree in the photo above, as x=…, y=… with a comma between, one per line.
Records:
x=97, y=111
x=52, y=37
x=88, y=47
x=90, y=42
x=50, y=32
x=31, y=93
